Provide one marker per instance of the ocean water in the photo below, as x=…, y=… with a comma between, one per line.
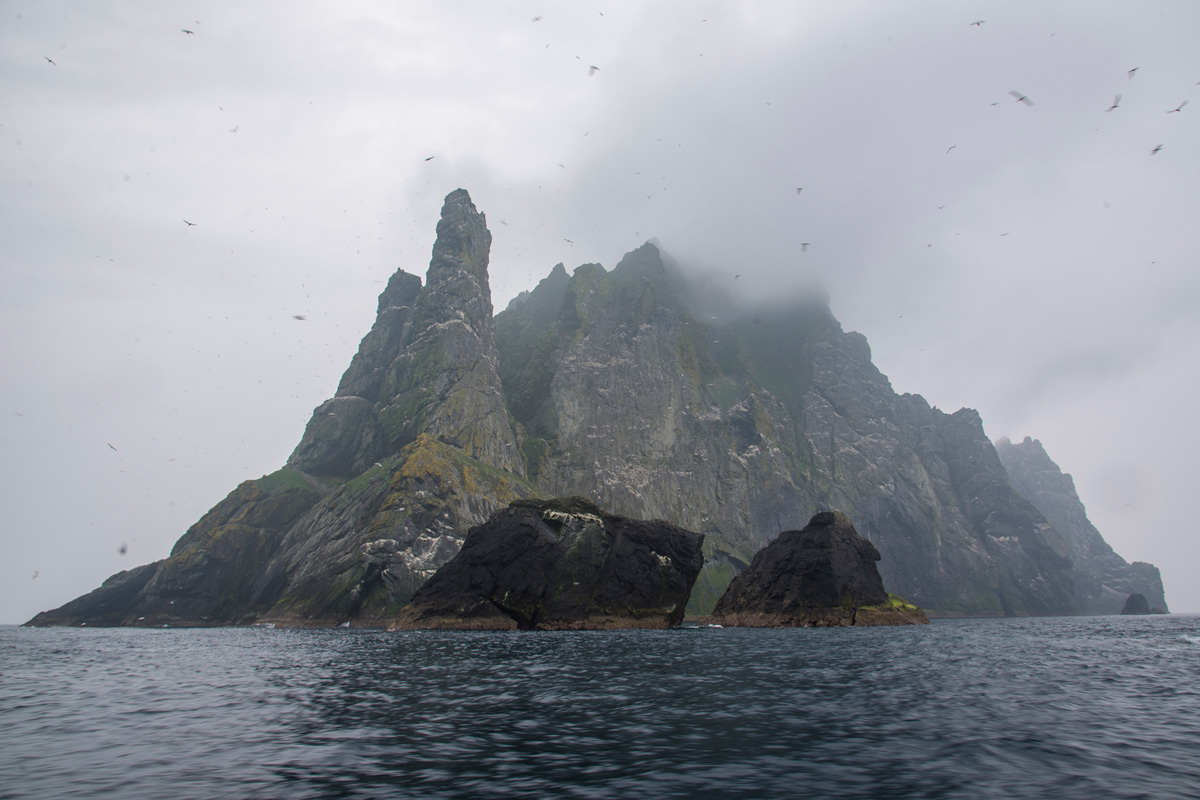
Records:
x=1101, y=707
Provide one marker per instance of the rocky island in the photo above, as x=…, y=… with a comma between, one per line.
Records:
x=821, y=576
x=652, y=394
x=561, y=564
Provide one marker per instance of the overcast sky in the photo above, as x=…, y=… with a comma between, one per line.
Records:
x=1038, y=262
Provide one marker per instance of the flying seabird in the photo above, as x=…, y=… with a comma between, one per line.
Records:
x=979, y=22
x=51, y=60
x=1135, y=69
x=190, y=33
x=189, y=223
x=123, y=549
x=1155, y=150
x=798, y=191
x=1021, y=98
x=592, y=70
x=951, y=147
x=299, y=317
x=110, y=445
x=1116, y=103
x=804, y=247
x=1178, y=108
x=431, y=158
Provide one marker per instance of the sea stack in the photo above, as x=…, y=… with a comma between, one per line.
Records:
x=1138, y=604
x=561, y=564
x=821, y=576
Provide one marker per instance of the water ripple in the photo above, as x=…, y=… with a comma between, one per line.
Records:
x=1065, y=708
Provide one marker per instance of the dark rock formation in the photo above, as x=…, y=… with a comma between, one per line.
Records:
x=821, y=576
x=1138, y=604
x=1102, y=578
x=106, y=606
x=560, y=565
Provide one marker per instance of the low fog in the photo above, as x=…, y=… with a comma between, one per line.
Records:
x=200, y=204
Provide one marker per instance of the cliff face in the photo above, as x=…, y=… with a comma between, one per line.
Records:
x=414, y=449
x=1103, y=580
x=630, y=387
x=740, y=426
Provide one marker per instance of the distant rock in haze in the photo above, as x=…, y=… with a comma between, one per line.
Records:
x=1137, y=604
x=821, y=576
x=560, y=564
x=1103, y=580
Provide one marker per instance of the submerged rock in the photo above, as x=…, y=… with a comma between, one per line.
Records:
x=561, y=564
x=821, y=576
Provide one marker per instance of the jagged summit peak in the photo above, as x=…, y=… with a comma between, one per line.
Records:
x=427, y=366
x=1028, y=448
x=643, y=261
x=463, y=241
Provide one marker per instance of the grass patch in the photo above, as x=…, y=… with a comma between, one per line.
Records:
x=281, y=480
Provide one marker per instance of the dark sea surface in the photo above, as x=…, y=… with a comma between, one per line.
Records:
x=1100, y=707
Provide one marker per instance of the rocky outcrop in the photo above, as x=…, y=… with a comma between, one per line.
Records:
x=1138, y=604
x=560, y=564
x=107, y=605
x=821, y=576
x=1103, y=580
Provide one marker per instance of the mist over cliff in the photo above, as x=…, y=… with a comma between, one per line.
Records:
x=645, y=390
